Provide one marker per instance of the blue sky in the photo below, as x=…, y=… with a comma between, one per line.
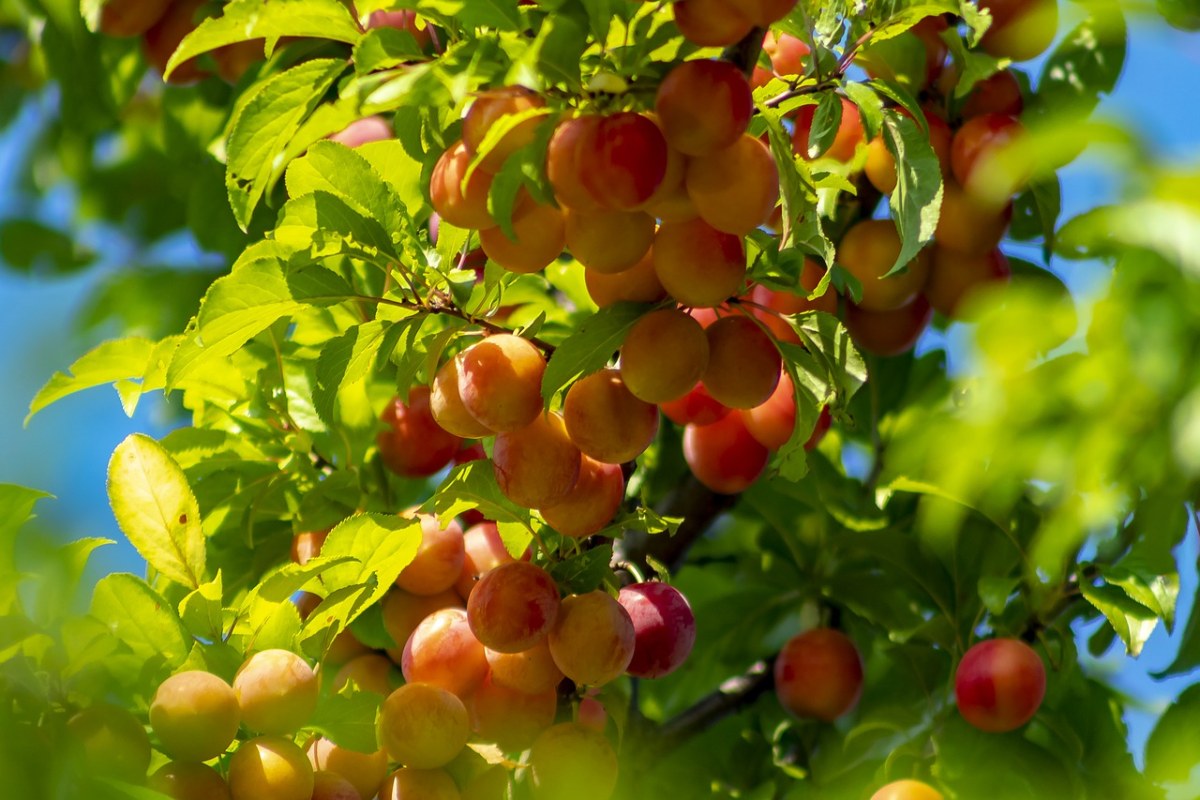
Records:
x=65, y=450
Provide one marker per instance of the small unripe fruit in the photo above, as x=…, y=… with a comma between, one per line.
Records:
x=365, y=771
x=277, y=692
x=270, y=766
x=819, y=674
x=419, y=784
x=188, y=780
x=593, y=639
x=423, y=726
x=638, y=284
x=999, y=685
x=592, y=502
x=609, y=241
x=540, y=232
x=403, y=612
x=195, y=715
x=370, y=672
x=331, y=786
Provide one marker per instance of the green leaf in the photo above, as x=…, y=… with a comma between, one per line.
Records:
x=1132, y=621
x=382, y=48
x=825, y=122
x=348, y=719
x=916, y=202
x=1171, y=754
x=382, y=545
x=334, y=168
x=156, y=510
x=584, y=572
x=499, y=14
x=246, y=302
x=590, y=347
x=109, y=362
x=347, y=360
x=473, y=485
x=28, y=245
x=138, y=616
x=202, y=611
x=1085, y=65
x=265, y=124
x=243, y=20
x=1035, y=213
x=16, y=508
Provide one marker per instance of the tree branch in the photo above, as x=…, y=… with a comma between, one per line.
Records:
x=697, y=505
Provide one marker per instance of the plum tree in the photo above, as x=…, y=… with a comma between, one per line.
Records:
x=270, y=766
x=422, y=726
x=819, y=674
x=593, y=638
x=276, y=691
x=999, y=685
x=663, y=625
x=195, y=715
x=513, y=607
